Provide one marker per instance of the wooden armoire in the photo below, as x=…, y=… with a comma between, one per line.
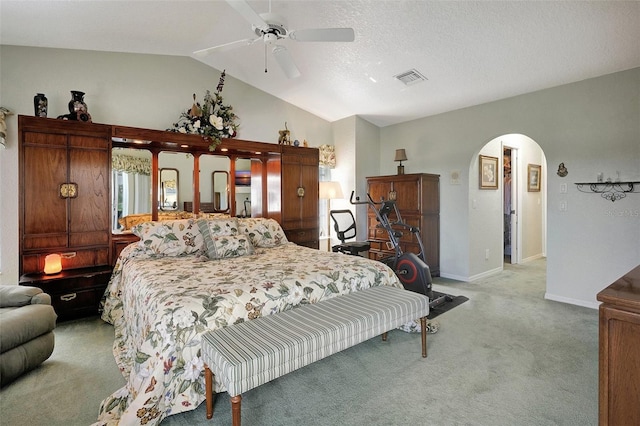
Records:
x=417, y=197
x=299, y=195
x=64, y=175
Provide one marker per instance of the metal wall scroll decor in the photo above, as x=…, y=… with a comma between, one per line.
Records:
x=612, y=191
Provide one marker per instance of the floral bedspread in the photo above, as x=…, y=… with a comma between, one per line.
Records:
x=161, y=306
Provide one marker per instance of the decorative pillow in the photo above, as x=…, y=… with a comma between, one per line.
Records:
x=170, y=238
x=227, y=246
x=262, y=231
x=213, y=228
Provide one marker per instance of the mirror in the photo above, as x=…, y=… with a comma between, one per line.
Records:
x=214, y=183
x=182, y=163
x=220, y=181
x=243, y=187
x=168, y=191
x=131, y=188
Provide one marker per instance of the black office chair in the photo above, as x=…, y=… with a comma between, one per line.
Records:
x=345, y=226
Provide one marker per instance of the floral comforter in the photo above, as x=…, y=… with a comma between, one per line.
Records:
x=160, y=307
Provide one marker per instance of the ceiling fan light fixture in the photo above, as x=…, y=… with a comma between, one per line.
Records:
x=411, y=77
x=270, y=38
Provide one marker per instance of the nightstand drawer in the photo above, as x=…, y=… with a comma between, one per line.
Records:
x=74, y=292
x=77, y=303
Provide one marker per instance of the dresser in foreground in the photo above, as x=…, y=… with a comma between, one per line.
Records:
x=619, y=387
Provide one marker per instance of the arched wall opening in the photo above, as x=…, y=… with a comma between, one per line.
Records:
x=487, y=205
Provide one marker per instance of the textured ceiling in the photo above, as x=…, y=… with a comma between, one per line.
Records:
x=471, y=52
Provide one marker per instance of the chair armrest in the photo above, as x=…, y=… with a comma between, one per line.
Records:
x=18, y=295
x=41, y=299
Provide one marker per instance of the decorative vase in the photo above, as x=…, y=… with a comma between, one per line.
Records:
x=77, y=103
x=40, y=104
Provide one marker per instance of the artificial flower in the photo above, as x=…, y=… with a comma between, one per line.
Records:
x=213, y=119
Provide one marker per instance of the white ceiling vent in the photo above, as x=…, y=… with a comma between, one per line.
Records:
x=410, y=77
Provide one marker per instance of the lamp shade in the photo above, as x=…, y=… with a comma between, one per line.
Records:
x=52, y=264
x=401, y=155
x=330, y=190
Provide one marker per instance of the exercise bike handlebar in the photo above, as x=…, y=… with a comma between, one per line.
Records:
x=357, y=199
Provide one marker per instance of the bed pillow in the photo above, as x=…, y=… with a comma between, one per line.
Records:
x=170, y=237
x=214, y=228
x=262, y=231
x=227, y=246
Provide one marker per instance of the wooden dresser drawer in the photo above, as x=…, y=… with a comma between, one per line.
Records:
x=308, y=237
x=74, y=292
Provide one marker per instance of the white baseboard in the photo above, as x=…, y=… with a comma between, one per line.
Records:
x=472, y=278
x=570, y=301
x=532, y=258
x=453, y=277
x=486, y=274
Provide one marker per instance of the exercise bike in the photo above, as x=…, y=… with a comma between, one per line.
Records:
x=411, y=269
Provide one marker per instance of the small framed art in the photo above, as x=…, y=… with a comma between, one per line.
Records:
x=533, y=178
x=488, y=167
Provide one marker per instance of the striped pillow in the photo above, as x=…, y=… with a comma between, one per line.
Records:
x=215, y=228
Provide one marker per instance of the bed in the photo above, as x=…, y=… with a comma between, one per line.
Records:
x=188, y=276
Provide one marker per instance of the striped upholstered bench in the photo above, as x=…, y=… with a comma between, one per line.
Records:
x=246, y=355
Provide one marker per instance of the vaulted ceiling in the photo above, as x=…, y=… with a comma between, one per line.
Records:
x=471, y=52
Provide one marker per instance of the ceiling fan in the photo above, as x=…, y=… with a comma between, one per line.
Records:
x=271, y=28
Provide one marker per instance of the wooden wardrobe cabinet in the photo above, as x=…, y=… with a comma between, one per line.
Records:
x=64, y=175
x=299, y=176
x=418, y=199
x=619, y=358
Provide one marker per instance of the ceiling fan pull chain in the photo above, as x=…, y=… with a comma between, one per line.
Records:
x=265, y=58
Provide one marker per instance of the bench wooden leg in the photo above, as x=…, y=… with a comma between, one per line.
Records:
x=423, y=332
x=235, y=410
x=384, y=336
x=208, y=390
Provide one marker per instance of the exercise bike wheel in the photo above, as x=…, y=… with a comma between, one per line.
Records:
x=414, y=274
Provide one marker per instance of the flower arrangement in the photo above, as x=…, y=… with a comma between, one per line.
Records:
x=212, y=119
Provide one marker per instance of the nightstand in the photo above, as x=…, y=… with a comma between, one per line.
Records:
x=74, y=292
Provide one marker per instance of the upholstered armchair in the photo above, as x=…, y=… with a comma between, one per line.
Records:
x=27, y=320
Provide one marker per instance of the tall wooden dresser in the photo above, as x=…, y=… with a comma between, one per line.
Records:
x=418, y=199
x=619, y=388
x=64, y=175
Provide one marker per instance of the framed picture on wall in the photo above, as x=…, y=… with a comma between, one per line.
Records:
x=533, y=178
x=489, y=172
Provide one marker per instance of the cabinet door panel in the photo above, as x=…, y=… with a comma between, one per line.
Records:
x=309, y=206
x=45, y=169
x=90, y=209
x=407, y=196
x=379, y=190
x=291, y=205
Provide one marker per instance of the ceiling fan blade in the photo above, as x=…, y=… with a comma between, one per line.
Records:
x=284, y=59
x=323, y=34
x=225, y=47
x=243, y=8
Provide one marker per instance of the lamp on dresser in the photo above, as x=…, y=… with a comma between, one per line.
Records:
x=401, y=155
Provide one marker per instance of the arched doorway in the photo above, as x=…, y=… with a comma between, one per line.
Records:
x=509, y=218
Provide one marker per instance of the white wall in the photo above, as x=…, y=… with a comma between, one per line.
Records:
x=357, y=156
x=148, y=91
x=592, y=126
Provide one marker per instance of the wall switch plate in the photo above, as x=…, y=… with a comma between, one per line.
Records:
x=563, y=188
x=563, y=205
